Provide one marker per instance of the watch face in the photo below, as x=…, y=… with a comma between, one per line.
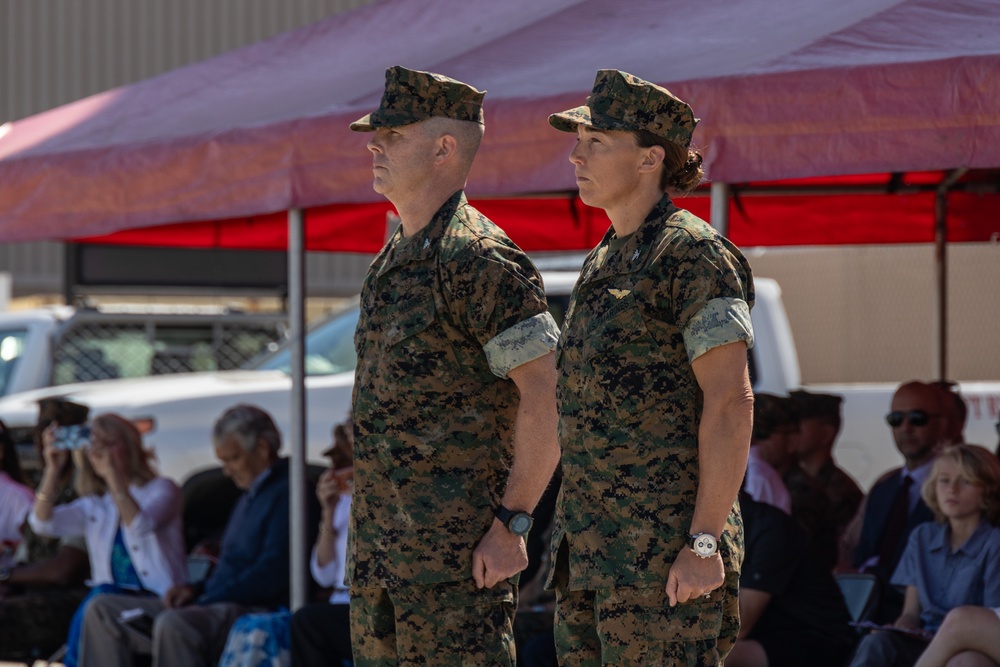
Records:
x=704, y=545
x=520, y=524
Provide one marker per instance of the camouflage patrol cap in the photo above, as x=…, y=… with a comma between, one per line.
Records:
x=816, y=406
x=771, y=412
x=412, y=96
x=620, y=101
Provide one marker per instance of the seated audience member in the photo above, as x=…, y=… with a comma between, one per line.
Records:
x=41, y=589
x=894, y=506
x=321, y=632
x=130, y=517
x=791, y=610
x=948, y=563
x=954, y=411
x=968, y=637
x=997, y=425
x=191, y=622
x=824, y=497
x=774, y=422
x=16, y=497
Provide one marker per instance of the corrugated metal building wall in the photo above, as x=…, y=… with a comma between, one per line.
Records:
x=57, y=51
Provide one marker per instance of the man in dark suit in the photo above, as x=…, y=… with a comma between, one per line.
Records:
x=894, y=506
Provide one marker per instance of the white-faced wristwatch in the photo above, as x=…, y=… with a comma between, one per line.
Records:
x=703, y=545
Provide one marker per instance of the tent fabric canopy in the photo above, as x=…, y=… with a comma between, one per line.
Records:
x=785, y=90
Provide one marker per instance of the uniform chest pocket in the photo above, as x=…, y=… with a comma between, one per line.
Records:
x=410, y=322
x=417, y=347
x=625, y=359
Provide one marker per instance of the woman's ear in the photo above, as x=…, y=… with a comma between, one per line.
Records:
x=652, y=159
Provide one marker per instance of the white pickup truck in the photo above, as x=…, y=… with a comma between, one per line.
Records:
x=179, y=410
x=59, y=345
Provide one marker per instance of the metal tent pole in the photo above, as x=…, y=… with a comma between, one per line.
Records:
x=297, y=412
x=720, y=207
x=941, y=272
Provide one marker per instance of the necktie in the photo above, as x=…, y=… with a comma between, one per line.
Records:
x=895, y=527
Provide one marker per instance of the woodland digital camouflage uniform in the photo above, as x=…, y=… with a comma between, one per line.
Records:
x=842, y=491
x=645, y=306
x=629, y=411
x=444, y=316
x=433, y=411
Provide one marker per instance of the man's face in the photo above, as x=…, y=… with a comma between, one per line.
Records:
x=777, y=449
x=813, y=436
x=917, y=443
x=401, y=159
x=238, y=464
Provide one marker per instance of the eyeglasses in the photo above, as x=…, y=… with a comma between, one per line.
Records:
x=917, y=418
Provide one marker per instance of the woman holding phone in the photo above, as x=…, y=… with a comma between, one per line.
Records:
x=129, y=516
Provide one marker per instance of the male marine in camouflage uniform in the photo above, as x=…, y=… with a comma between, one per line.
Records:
x=654, y=400
x=454, y=397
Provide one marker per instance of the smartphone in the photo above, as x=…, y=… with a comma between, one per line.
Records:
x=138, y=620
x=72, y=437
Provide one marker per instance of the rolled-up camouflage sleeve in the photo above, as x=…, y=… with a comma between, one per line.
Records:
x=525, y=341
x=720, y=322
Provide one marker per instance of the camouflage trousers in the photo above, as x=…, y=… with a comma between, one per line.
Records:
x=34, y=625
x=437, y=624
x=629, y=627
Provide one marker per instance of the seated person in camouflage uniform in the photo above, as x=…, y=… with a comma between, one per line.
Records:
x=454, y=397
x=824, y=497
x=44, y=586
x=655, y=403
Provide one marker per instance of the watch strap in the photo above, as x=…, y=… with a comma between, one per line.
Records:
x=506, y=516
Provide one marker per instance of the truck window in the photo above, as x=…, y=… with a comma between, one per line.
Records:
x=105, y=350
x=11, y=349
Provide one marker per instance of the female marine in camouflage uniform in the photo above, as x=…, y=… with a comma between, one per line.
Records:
x=654, y=399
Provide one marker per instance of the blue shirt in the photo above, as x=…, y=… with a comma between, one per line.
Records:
x=946, y=579
x=254, y=560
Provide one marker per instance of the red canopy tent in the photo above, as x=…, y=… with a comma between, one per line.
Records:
x=786, y=90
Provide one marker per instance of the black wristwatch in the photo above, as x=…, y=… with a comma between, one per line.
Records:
x=518, y=523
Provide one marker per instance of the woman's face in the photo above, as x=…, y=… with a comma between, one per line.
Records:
x=958, y=496
x=607, y=166
x=117, y=450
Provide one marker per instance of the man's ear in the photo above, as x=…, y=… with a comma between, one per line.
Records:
x=444, y=148
x=652, y=159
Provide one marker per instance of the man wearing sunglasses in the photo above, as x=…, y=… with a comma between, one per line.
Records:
x=894, y=506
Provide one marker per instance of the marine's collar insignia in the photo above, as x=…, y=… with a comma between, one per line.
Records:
x=635, y=255
x=427, y=243
x=619, y=293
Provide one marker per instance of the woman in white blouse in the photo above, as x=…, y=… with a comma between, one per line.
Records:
x=321, y=632
x=129, y=516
